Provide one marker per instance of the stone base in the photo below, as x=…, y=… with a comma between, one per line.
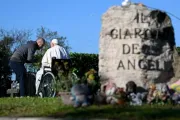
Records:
x=12, y=91
x=65, y=97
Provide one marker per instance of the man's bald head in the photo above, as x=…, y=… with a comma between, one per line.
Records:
x=40, y=42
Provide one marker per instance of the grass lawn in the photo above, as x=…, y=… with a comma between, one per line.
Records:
x=53, y=107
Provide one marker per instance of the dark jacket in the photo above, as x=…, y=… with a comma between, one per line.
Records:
x=24, y=54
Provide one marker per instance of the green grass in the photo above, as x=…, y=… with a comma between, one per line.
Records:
x=52, y=107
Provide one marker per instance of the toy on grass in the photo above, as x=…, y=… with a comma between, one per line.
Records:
x=90, y=76
x=92, y=80
x=131, y=87
x=176, y=98
x=152, y=94
x=109, y=89
x=175, y=86
x=119, y=97
x=81, y=95
x=158, y=94
x=137, y=99
x=164, y=93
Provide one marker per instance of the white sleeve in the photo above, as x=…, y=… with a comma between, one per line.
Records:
x=49, y=57
x=66, y=54
x=45, y=59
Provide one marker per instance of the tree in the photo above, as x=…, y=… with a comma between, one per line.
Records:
x=5, y=71
x=19, y=37
x=48, y=35
x=178, y=49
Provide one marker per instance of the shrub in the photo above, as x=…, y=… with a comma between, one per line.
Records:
x=5, y=71
x=83, y=62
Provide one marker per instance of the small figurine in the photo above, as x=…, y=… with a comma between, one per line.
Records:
x=119, y=97
x=152, y=93
x=158, y=93
x=135, y=99
x=176, y=98
x=81, y=95
x=109, y=90
x=131, y=87
x=92, y=80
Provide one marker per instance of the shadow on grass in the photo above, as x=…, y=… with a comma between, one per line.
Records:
x=50, y=107
x=125, y=113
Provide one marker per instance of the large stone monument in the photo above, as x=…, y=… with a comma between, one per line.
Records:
x=136, y=44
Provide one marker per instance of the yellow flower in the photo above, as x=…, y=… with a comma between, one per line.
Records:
x=91, y=77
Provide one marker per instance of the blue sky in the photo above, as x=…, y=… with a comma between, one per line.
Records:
x=78, y=20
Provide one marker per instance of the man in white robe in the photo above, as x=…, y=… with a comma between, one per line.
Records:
x=55, y=51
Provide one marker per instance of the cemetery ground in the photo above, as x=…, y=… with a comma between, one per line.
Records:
x=54, y=108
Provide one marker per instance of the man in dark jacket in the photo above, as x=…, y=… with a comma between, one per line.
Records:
x=24, y=54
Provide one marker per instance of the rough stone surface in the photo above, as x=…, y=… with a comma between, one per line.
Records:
x=136, y=44
x=176, y=68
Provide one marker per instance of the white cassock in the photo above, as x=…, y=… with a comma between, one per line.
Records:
x=56, y=51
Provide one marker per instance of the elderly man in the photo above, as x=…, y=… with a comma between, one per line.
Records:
x=55, y=51
x=24, y=54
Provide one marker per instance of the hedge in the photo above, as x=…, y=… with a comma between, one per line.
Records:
x=83, y=62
